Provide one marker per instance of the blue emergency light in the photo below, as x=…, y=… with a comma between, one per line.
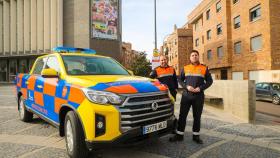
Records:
x=73, y=50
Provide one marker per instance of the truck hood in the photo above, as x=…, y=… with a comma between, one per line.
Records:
x=119, y=84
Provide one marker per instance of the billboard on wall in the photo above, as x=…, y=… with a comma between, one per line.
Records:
x=104, y=19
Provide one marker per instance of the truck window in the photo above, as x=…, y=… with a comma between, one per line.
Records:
x=39, y=65
x=92, y=65
x=53, y=63
x=259, y=86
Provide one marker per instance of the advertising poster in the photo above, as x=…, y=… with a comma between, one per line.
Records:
x=104, y=19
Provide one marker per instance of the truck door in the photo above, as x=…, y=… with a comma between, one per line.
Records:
x=30, y=82
x=50, y=88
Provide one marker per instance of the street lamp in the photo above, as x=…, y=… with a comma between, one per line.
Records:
x=155, y=24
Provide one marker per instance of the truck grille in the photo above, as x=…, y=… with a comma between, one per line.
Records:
x=137, y=109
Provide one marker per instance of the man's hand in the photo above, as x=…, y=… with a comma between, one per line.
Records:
x=196, y=90
x=193, y=90
x=190, y=88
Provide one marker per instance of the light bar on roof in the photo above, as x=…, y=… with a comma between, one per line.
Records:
x=73, y=50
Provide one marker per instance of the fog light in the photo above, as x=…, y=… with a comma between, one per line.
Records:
x=100, y=125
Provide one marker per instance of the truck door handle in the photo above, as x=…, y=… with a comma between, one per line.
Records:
x=40, y=86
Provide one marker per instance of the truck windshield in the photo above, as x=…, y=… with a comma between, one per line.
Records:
x=92, y=65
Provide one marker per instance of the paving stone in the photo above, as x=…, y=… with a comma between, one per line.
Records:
x=179, y=149
x=210, y=123
x=13, y=126
x=249, y=130
x=10, y=150
x=44, y=129
x=49, y=153
x=235, y=149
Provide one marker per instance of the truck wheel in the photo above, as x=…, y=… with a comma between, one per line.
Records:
x=275, y=100
x=74, y=136
x=24, y=115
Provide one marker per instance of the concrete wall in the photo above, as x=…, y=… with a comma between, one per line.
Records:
x=29, y=27
x=238, y=97
x=265, y=76
x=77, y=31
x=68, y=21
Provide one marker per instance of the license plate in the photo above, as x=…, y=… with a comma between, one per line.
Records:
x=154, y=127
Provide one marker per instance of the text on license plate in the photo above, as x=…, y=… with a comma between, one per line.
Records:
x=154, y=127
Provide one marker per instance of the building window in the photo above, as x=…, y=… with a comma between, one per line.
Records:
x=256, y=43
x=220, y=52
x=234, y=1
x=208, y=14
x=197, y=42
x=237, y=22
x=218, y=6
x=255, y=13
x=208, y=34
x=209, y=54
x=237, y=47
x=219, y=29
x=196, y=26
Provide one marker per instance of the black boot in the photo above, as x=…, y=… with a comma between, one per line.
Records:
x=176, y=137
x=175, y=125
x=197, y=139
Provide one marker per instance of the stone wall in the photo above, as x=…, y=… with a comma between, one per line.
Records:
x=238, y=97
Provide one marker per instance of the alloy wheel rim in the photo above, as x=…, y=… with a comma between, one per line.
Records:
x=275, y=100
x=69, y=136
x=21, y=109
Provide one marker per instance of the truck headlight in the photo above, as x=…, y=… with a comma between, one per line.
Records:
x=101, y=97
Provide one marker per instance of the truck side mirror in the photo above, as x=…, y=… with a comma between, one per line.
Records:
x=49, y=73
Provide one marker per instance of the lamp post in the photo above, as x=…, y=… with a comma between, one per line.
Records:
x=155, y=24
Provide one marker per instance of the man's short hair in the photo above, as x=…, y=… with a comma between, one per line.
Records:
x=195, y=51
x=164, y=56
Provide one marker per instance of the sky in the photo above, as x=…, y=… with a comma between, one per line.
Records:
x=138, y=21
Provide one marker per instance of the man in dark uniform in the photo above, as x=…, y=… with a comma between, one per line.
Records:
x=194, y=78
x=166, y=74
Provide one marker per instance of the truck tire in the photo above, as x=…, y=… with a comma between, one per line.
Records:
x=74, y=136
x=24, y=115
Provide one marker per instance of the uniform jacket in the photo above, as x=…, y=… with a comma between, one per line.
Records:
x=196, y=76
x=166, y=75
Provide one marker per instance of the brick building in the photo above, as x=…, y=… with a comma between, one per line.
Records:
x=177, y=46
x=239, y=39
x=128, y=55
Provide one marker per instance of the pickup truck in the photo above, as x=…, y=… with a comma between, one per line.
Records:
x=93, y=100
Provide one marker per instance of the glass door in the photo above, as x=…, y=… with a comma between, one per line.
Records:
x=12, y=69
x=3, y=70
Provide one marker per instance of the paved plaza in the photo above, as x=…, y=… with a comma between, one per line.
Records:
x=224, y=136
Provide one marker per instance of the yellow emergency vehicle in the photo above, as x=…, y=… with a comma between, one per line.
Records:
x=93, y=100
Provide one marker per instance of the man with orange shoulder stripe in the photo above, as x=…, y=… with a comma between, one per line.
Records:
x=195, y=78
x=166, y=74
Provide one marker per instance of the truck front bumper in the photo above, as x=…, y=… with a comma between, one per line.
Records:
x=133, y=136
